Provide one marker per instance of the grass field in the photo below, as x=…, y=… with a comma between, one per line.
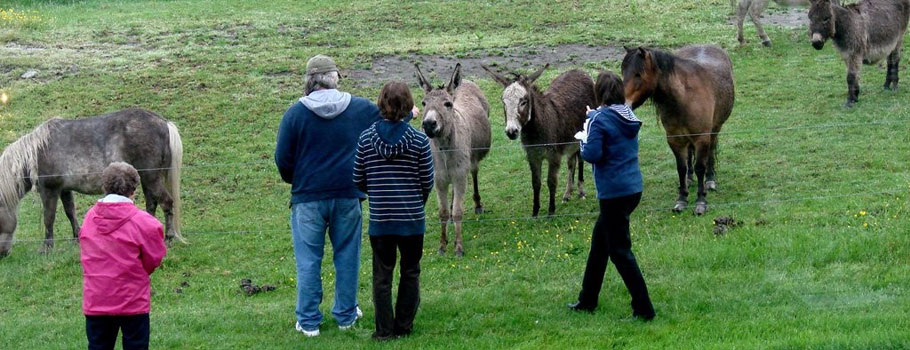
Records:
x=820, y=261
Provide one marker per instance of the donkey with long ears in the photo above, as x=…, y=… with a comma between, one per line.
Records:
x=456, y=118
x=547, y=122
x=693, y=92
x=754, y=9
x=60, y=157
x=864, y=33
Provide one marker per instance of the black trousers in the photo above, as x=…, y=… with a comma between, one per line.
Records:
x=611, y=240
x=102, y=331
x=384, y=255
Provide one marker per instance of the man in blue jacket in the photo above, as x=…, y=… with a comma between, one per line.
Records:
x=315, y=150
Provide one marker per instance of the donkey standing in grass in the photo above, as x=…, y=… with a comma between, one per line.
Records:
x=547, y=123
x=754, y=9
x=863, y=33
x=62, y=156
x=456, y=118
x=692, y=90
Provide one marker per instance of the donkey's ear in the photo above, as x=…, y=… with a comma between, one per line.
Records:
x=499, y=78
x=455, y=81
x=533, y=77
x=423, y=81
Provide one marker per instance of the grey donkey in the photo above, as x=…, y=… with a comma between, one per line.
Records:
x=754, y=9
x=863, y=33
x=456, y=118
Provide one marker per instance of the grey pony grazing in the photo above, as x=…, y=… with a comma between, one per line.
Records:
x=692, y=90
x=754, y=9
x=62, y=156
x=456, y=118
x=863, y=33
x=547, y=123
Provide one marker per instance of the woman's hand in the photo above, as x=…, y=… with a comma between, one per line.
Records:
x=588, y=110
x=415, y=111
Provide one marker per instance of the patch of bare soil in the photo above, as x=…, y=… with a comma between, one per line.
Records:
x=401, y=67
x=792, y=18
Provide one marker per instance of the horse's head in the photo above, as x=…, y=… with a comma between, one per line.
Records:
x=439, y=103
x=639, y=72
x=7, y=227
x=821, y=22
x=517, y=99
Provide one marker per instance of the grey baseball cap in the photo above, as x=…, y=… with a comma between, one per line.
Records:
x=320, y=64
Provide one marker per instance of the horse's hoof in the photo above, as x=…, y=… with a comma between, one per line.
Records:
x=459, y=253
x=441, y=251
x=701, y=208
x=478, y=210
x=766, y=43
x=680, y=206
x=582, y=195
x=711, y=185
x=565, y=199
x=47, y=247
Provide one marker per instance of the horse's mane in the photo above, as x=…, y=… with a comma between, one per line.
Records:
x=19, y=160
x=665, y=61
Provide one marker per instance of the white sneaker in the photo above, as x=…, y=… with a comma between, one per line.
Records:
x=309, y=334
x=359, y=315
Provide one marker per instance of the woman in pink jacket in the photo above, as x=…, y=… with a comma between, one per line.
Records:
x=121, y=246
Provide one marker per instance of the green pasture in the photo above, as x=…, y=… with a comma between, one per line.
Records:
x=820, y=261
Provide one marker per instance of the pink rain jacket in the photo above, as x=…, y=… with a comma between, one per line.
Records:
x=121, y=246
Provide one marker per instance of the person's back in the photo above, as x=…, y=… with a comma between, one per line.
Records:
x=394, y=166
x=120, y=247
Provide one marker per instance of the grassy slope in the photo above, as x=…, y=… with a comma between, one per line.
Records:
x=800, y=272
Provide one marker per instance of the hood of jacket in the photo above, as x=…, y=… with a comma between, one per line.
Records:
x=111, y=213
x=628, y=123
x=391, y=139
x=328, y=103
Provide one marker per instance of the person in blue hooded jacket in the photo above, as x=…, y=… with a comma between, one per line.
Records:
x=394, y=166
x=314, y=153
x=610, y=143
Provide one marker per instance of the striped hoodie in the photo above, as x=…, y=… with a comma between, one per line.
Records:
x=394, y=167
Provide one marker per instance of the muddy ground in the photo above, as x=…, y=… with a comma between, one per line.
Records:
x=439, y=67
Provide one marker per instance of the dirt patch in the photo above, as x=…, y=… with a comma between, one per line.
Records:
x=792, y=18
x=439, y=67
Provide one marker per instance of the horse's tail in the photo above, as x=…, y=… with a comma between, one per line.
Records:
x=173, y=175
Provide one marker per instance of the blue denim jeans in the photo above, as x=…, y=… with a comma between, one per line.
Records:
x=309, y=222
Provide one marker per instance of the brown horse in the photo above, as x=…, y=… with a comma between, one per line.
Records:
x=692, y=90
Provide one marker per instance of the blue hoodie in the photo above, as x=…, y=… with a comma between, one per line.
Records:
x=612, y=147
x=316, y=142
x=394, y=165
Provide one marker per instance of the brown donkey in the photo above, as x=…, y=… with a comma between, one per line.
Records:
x=863, y=33
x=693, y=93
x=547, y=122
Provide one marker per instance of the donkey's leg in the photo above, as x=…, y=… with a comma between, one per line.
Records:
x=535, y=164
x=755, y=14
x=570, y=164
x=49, y=198
x=894, y=60
x=741, y=12
x=442, y=198
x=681, y=153
x=478, y=206
x=853, y=68
x=69, y=207
x=552, y=181
x=458, y=212
x=581, y=175
x=710, y=179
x=702, y=147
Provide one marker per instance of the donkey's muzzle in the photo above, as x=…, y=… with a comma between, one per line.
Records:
x=512, y=134
x=429, y=127
x=818, y=42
